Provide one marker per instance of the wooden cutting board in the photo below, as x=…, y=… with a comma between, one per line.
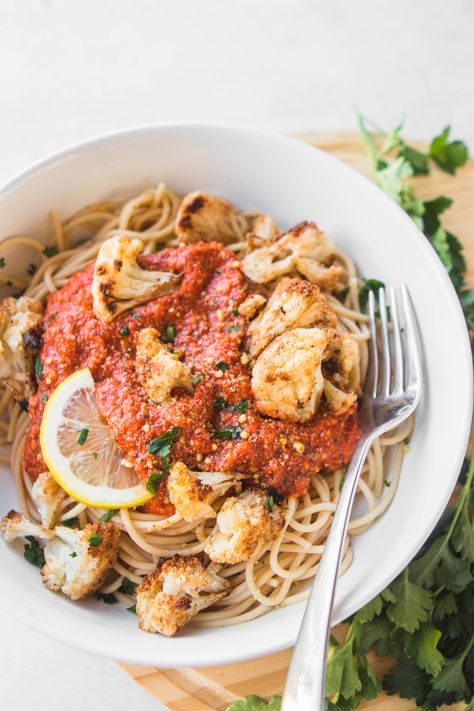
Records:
x=214, y=688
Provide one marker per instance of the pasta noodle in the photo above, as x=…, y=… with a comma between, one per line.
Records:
x=277, y=577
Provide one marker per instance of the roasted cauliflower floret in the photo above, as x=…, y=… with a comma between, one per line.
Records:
x=191, y=492
x=338, y=400
x=159, y=370
x=251, y=305
x=20, y=340
x=305, y=249
x=294, y=304
x=244, y=528
x=77, y=561
x=205, y=218
x=48, y=497
x=263, y=232
x=119, y=282
x=287, y=379
x=169, y=597
x=18, y=525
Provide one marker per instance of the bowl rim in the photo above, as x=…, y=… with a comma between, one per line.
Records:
x=267, y=646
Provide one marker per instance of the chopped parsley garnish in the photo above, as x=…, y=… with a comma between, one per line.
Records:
x=341, y=483
x=229, y=432
x=369, y=285
x=154, y=481
x=135, y=316
x=71, y=522
x=235, y=312
x=53, y=315
x=387, y=483
x=132, y=609
x=240, y=407
x=2, y=262
x=125, y=331
x=108, y=598
x=73, y=554
x=343, y=294
x=108, y=515
x=128, y=587
x=169, y=333
x=161, y=446
x=235, y=328
x=222, y=366
x=50, y=251
x=94, y=540
x=39, y=368
x=33, y=553
x=276, y=496
x=196, y=378
x=82, y=436
x=270, y=503
x=220, y=403
x=44, y=397
x=95, y=455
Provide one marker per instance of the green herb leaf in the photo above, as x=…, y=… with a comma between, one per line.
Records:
x=124, y=331
x=422, y=645
x=39, y=368
x=71, y=522
x=73, y=554
x=407, y=680
x=108, y=598
x=44, y=398
x=270, y=503
x=220, y=403
x=417, y=160
x=33, y=553
x=94, y=454
x=170, y=333
x=369, y=285
x=222, y=366
x=128, y=587
x=2, y=262
x=132, y=609
x=196, y=378
x=161, y=446
x=154, y=481
x=94, y=540
x=235, y=328
x=412, y=606
x=82, y=436
x=50, y=251
x=108, y=515
x=241, y=407
x=230, y=432
x=448, y=156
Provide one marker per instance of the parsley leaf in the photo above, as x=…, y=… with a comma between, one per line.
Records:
x=154, y=481
x=220, y=403
x=161, y=446
x=128, y=587
x=407, y=680
x=108, y=598
x=448, y=156
x=411, y=606
x=39, y=368
x=50, y=251
x=71, y=522
x=369, y=285
x=108, y=515
x=229, y=432
x=94, y=540
x=82, y=436
x=170, y=333
x=222, y=366
x=124, y=331
x=196, y=378
x=2, y=262
x=33, y=553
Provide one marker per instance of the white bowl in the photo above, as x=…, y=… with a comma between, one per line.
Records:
x=291, y=181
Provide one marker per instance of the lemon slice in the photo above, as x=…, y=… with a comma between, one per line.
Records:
x=79, y=450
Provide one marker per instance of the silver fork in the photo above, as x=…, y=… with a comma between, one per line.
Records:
x=391, y=393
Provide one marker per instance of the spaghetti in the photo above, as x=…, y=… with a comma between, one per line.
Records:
x=275, y=578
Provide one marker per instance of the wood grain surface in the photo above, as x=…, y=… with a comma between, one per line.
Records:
x=214, y=688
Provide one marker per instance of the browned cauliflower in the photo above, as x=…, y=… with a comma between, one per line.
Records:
x=77, y=561
x=18, y=525
x=263, y=232
x=48, y=497
x=251, y=305
x=191, y=492
x=305, y=249
x=287, y=379
x=169, y=597
x=294, y=303
x=119, y=282
x=20, y=340
x=244, y=528
x=159, y=370
x=204, y=217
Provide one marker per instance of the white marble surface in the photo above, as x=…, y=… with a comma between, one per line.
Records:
x=71, y=69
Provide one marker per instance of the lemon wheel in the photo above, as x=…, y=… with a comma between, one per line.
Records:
x=80, y=452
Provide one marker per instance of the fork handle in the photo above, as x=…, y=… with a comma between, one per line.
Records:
x=304, y=690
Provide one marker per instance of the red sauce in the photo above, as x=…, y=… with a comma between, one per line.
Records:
x=211, y=288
